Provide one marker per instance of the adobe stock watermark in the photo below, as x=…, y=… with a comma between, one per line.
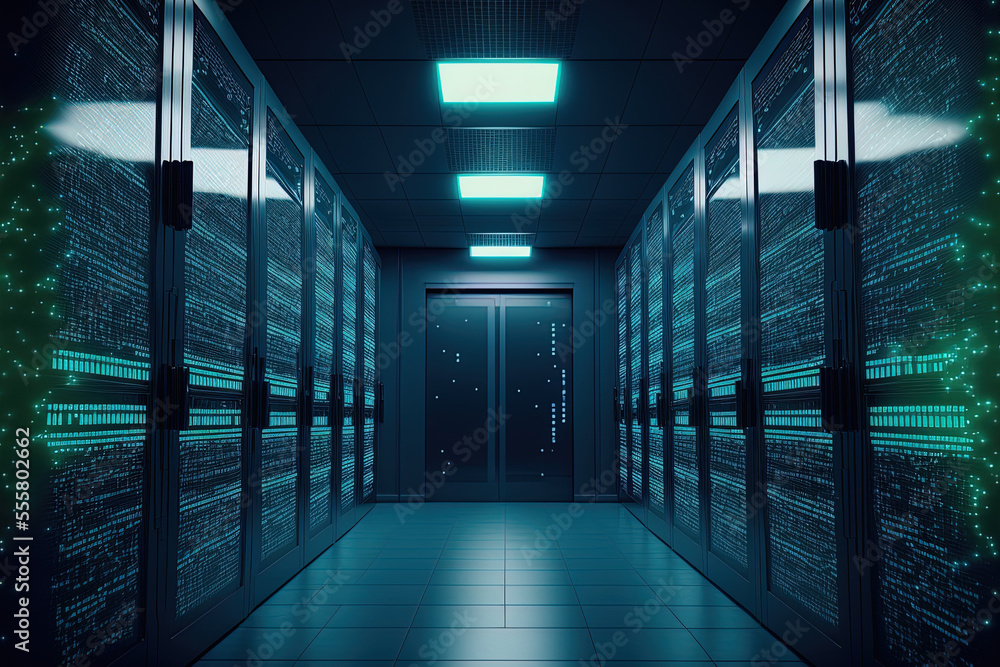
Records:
x=303, y=611
x=462, y=450
x=697, y=43
x=32, y=24
x=581, y=158
x=562, y=13
x=436, y=649
x=362, y=36
x=453, y=114
x=637, y=619
x=776, y=652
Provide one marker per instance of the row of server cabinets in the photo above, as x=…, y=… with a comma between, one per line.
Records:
x=213, y=423
x=797, y=311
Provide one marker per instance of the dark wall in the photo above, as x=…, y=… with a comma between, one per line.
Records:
x=407, y=274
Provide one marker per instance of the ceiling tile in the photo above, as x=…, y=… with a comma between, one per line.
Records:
x=614, y=30
x=247, y=23
x=555, y=239
x=593, y=241
x=435, y=207
x=332, y=91
x=299, y=35
x=679, y=145
x=694, y=30
x=401, y=92
x=431, y=186
x=662, y=95
x=372, y=186
x=495, y=223
x=546, y=224
x=360, y=149
x=417, y=149
x=278, y=75
x=581, y=149
x=403, y=239
x=720, y=80
x=445, y=239
x=635, y=149
x=578, y=105
x=609, y=209
x=314, y=136
x=440, y=223
x=386, y=34
x=379, y=209
x=621, y=186
x=566, y=209
x=749, y=28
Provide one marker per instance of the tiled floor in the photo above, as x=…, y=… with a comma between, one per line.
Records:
x=498, y=584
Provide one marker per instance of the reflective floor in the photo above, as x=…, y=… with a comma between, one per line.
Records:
x=498, y=584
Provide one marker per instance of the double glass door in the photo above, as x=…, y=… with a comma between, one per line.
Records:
x=499, y=397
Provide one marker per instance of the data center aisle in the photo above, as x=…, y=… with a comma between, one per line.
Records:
x=485, y=584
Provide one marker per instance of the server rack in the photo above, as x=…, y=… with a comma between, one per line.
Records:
x=681, y=196
x=208, y=288
x=654, y=462
x=631, y=303
x=321, y=518
x=868, y=519
x=919, y=292
x=372, y=403
x=180, y=377
x=731, y=545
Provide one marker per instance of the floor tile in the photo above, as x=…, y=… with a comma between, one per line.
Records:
x=744, y=645
x=463, y=595
x=360, y=594
x=447, y=616
x=373, y=616
x=554, y=616
x=541, y=595
x=714, y=617
x=606, y=577
x=263, y=644
x=538, y=578
x=497, y=644
x=303, y=616
x=647, y=644
x=630, y=617
x=355, y=644
x=616, y=595
x=395, y=577
x=467, y=578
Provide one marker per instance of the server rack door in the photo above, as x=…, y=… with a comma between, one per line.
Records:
x=636, y=393
x=277, y=549
x=621, y=387
x=81, y=405
x=731, y=554
x=320, y=513
x=686, y=467
x=347, y=384
x=655, y=407
x=806, y=551
x=369, y=378
x=925, y=205
x=207, y=582
x=536, y=398
x=462, y=429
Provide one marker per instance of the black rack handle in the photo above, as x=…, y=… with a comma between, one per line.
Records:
x=380, y=403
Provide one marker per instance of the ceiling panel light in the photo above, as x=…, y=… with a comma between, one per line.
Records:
x=501, y=186
x=493, y=81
